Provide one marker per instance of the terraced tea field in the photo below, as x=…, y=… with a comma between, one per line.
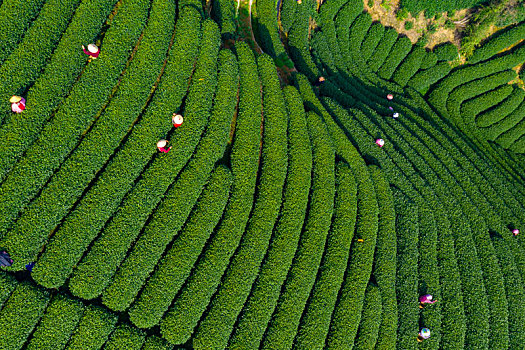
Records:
x=278, y=219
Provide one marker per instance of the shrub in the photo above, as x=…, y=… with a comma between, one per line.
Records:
x=385, y=260
x=298, y=45
x=302, y=275
x=125, y=337
x=93, y=330
x=20, y=314
x=288, y=14
x=267, y=28
x=58, y=323
x=156, y=343
x=429, y=61
x=7, y=285
x=446, y=52
x=358, y=31
x=223, y=12
x=83, y=224
x=178, y=324
x=399, y=51
x=514, y=292
x=499, y=112
x=471, y=108
x=215, y=329
x=514, y=125
x=24, y=65
x=382, y=50
x=409, y=66
x=422, y=80
x=54, y=84
x=428, y=276
x=16, y=17
x=372, y=39
x=151, y=188
x=315, y=321
x=402, y=14
x=61, y=135
x=368, y=332
x=409, y=25
x=175, y=267
x=68, y=183
x=432, y=7
x=265, y=293
x=497, y=42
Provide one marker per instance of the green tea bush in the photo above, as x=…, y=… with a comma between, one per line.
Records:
x=139, y=204
x=20, y=314
x=156, y=343
x=368, y=332
x=343, y=21
x=429, y=275
x=287, y=15
x=58, y=323
x=473, y=107
x=358, y=31
x=409, y=66
x=399, y=51
x=385, y=260
x=298, y=45
x=125, y=337
x=372, y=39
x=499, y=112
x=267, y=28
x=514, y=125
x=515, y=291
x=93, y=330
x=175, y=267
x=179, y=323
x=429, y=61
x=215, y=329
x=315, y=321
x=302, y=275
x=16, y=17
x=431, y=7
x=54, y=84
x=25, y=64
x=83, y=224
x=68, y=183
x=497, y=42
x=7, y=285
x=61, y=135
x=382, y=50
x=223, y=12
x=261, y=303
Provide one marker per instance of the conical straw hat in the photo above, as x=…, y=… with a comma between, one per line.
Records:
x=15, y=99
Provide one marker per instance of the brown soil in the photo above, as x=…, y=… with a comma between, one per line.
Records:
x=384, y=11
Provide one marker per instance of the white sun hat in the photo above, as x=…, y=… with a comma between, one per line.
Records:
x=177, y=119
x=162, y=143
x=92, y=48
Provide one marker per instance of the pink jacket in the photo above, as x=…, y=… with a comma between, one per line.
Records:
x=426, y=299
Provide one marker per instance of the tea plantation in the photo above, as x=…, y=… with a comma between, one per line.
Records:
x=291, y=212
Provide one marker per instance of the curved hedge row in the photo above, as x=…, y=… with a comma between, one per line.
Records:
x=54, y=83
x=429, y=61
x=398, y=53
x=315, y=321
x=16, y=17
x=176, y=265
x=497, y=42
x=368, y=332
x=223, y=12
x=490, y=117
x=298, y=45
x=151, y=188
x=20, y=314
x=61, y=135
x=499, y=131
x=7, y=285
x=508, y=137
x=371, y=40
x=60, y=319
x=423, y=79
x=93, y=330
x=68, y=183
x=267, y=29
x=385, y=260
x=302, y=274
x=82, y=225
x=409, y=66
x=178, y=324
x=215, y=329
x=473, y=107
x=261, y=303
x=445, y=52
x=382, y=50
x=125, y=337
x=25, y=63
x=156, y=343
